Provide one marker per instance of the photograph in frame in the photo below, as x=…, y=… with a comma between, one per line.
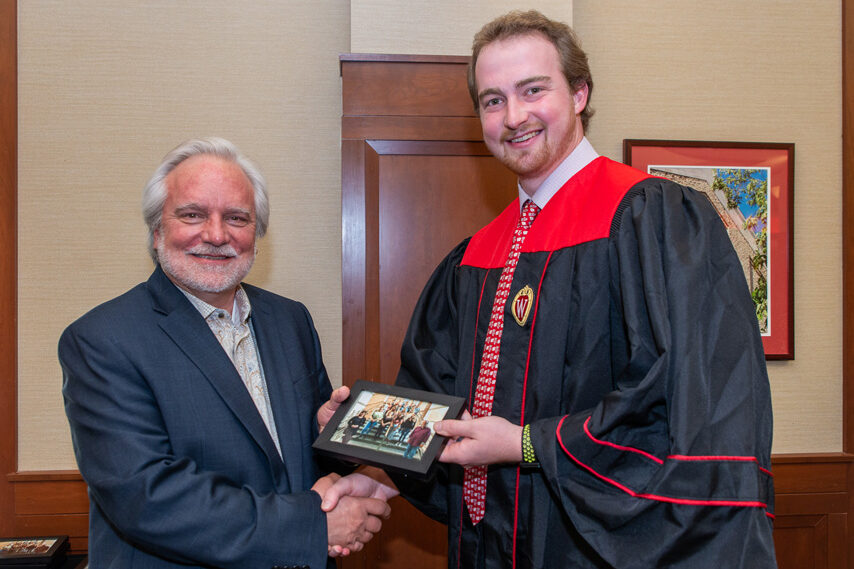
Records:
x=41, y=551
x=750, y=186
x=389, y=427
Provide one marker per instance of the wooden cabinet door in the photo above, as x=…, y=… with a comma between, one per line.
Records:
x=416, y=180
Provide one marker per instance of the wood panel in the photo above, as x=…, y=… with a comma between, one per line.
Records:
x=801, y=541
x=388, y=150
x=8, y=262
x=410, y=128
x=816, y=541
x=41, y=497
x=51, y=503
x=460, y=188
x=423, y=86
x=391, y=254
x=811, y=524
x=827, y=473
x=848, y=258
x=813, y=506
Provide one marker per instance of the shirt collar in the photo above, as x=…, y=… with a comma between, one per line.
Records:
x=581, y=156
x=239, y=311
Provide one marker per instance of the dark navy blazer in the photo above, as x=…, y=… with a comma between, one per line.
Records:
x=180, y=467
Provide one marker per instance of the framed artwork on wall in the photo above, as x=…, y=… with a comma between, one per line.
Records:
x=750, y=185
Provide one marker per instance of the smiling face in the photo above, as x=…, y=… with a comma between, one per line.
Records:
x=206, y=240
x=528, y=112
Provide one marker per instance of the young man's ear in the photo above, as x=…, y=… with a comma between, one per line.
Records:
x=579, y=98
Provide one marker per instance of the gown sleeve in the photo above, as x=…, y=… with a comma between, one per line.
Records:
x=429, y=358
x=671, y=468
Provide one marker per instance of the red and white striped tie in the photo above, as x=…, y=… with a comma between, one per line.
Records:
x=474, y=482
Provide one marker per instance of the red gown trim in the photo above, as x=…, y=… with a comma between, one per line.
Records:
x=656, y=497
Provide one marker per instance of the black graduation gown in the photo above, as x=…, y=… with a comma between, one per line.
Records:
x=640, y=369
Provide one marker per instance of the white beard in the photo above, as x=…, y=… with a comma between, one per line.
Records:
x=181, y=266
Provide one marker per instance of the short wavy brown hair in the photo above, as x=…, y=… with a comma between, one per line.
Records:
x=572, y=58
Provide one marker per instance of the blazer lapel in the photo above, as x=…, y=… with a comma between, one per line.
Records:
x=185, y=326
x=270, y=336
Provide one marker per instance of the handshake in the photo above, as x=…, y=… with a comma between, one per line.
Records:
x=355, y=506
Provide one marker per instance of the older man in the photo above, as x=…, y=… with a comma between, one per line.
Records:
x=192, y=398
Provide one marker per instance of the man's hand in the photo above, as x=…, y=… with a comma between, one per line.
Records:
x=323, y=484
x=353, y=522
x=372, y=484
x=476, y=442
x=328, y=409
x=355, y=505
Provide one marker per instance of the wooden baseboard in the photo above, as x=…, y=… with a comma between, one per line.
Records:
x=51, y=503
x=813, y=503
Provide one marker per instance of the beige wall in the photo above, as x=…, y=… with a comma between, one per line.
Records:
x=106, y=88
x=438, y=27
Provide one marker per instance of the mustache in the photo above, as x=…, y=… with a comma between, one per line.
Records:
x=213, y=251
x=532, y=126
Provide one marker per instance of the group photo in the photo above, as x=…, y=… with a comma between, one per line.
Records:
x=389, y=424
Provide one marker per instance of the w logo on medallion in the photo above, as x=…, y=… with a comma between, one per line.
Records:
x=522, y=305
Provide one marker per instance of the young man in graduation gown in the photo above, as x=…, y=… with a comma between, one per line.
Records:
x=617, y=376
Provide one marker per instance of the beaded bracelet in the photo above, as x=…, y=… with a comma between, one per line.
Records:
x=528, y=454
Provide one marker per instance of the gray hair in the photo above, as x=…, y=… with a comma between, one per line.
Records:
x=154, y=194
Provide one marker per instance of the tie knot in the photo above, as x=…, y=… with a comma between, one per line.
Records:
x=529, y=213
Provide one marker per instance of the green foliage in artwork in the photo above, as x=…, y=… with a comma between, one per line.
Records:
x=749, y=187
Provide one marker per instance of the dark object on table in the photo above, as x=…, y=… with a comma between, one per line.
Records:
x=41, y=552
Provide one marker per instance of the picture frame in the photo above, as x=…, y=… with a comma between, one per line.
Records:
x=378, y=423
x=751, y=186
x=38, y=551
